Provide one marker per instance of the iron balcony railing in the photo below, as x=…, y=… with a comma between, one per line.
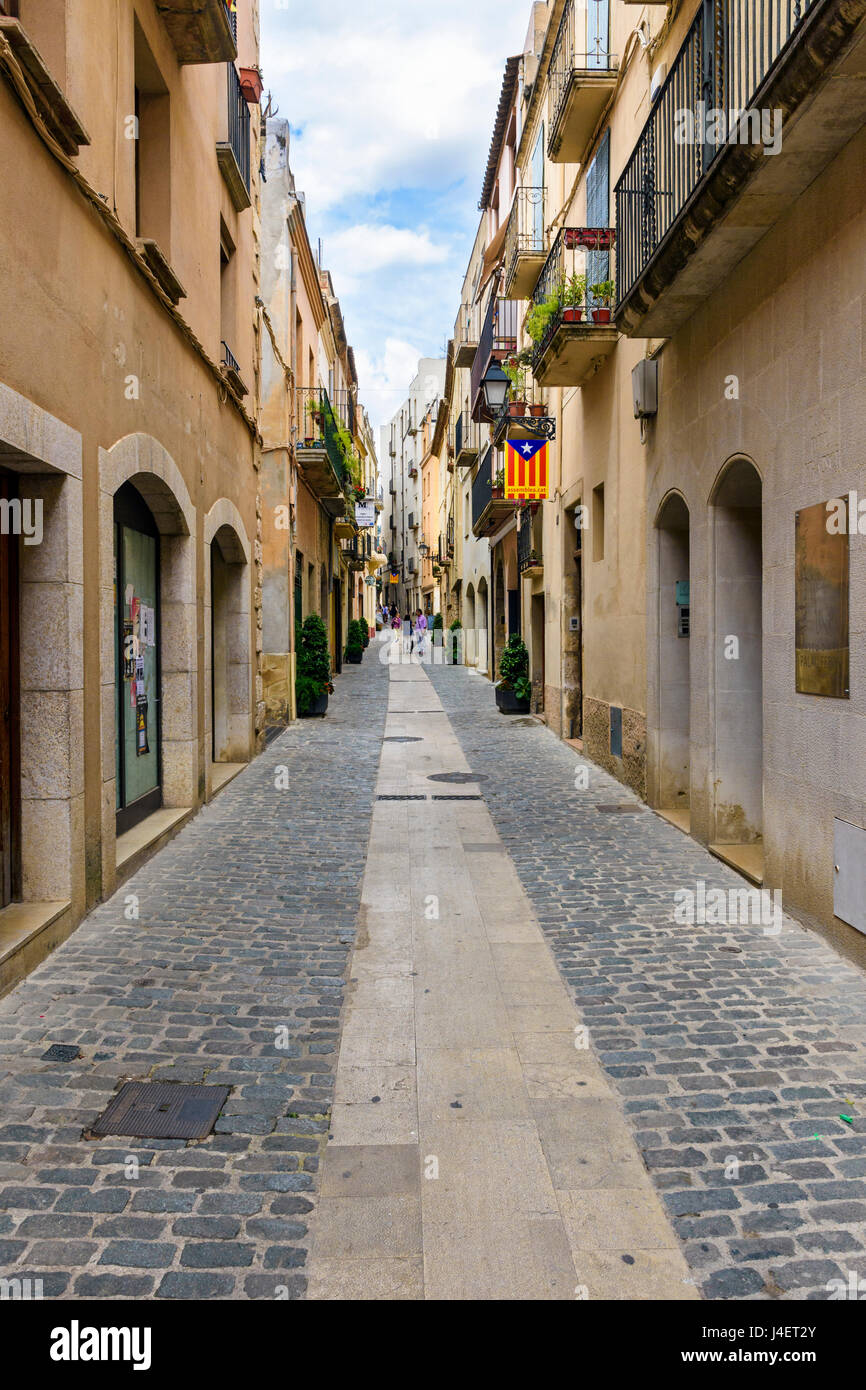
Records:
x=582, y=45
x=467, y=438
x=498, y=337
x=466, y=329
x=727, y=54
x=320, y=428
x=525, y=234
x=482, y=487
x=229, y=359
x=579, y=261
x=525, y=553
x=239, y=124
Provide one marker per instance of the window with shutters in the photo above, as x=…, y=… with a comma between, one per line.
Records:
x=598, y=211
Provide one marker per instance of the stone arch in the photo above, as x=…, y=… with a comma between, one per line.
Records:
x=669, y=615
x=141, y=460
x=228, y=672
x=482, y=626
x=470, y=642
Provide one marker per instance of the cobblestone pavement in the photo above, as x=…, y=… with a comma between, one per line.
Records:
x=245, y=926
x=725, y=1044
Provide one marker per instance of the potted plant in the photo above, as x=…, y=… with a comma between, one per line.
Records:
x=603, y=292
x=573, y=298
x=251, y=85
x=513, y=689
x=313, y=676
x=537, y=409
x=456, y=642
x=498, y=484
x=539, y=319
x=355, y=644
x=515, y=370
x=365, y=633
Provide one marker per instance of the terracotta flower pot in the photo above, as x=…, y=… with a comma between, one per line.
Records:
x=537, y=412
x=251, y=85
x=572, y=315
x=516, y=409
x=601, y=315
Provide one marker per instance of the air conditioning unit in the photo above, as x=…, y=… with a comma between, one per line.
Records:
x=645, y=388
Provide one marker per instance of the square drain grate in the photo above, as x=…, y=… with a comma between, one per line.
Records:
x=401, y=798
x=454, y=797
x=161, y=1110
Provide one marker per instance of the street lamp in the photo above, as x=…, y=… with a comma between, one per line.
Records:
x=423, y=550
x=495, y=388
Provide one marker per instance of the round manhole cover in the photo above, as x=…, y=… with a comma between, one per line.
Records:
x=458, y=778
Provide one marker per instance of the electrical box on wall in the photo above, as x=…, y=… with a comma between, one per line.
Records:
x=645, y=388
x=574, y=624
x=849, y=874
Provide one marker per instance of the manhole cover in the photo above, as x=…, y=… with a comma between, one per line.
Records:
x=162, y=1110
x=627, y=810
x=61, y=1052
x=399, y=738
x=459, y=778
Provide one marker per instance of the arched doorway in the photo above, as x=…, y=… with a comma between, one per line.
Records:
x=672, y=770
x=736, y=514
x=470, y=643
x=482, y=628
x=230, y=648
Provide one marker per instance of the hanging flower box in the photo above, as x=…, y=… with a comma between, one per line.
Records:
x=251, y=85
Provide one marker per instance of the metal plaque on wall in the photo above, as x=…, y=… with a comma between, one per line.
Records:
x=821, y=577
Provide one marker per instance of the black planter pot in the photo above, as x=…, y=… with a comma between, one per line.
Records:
x=508, y=703
x=353, y=659
x=318, y=708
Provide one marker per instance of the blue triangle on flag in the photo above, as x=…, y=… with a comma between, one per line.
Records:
x=526, y=448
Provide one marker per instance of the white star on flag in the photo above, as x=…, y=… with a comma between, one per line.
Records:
x=527, y=448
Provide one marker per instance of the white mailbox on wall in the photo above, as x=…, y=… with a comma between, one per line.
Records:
x=849, y=874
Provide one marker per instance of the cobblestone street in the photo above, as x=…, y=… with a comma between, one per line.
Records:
x=724, y=1057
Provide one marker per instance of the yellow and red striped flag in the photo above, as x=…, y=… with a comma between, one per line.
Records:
x=526, y=470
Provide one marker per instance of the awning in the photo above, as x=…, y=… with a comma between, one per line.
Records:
x=493, y=258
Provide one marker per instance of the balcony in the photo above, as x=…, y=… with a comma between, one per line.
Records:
x=489, y=508
x=321, y=458
x=693, y=200
x=465, y=337
x=467, y=440
x=232, y=371
x=201, y=31
x=570, y=326
x=58, y=116
x=525, y=242
x=498, y=339
x=233, y=154
x=582, y=79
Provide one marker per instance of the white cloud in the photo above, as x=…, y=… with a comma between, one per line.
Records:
x=365, y=248
x=386, y=378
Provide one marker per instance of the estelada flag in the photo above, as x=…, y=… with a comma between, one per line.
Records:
x=526, y=470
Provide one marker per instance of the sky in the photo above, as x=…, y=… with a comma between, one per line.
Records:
x=391, y=107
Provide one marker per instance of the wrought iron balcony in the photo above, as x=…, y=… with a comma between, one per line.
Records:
x=570, y=318
x=498, y=339
x=582, y=78
x=233, y=154
x=529, y=561
x=321, y=458
x=489, y=508
x=467, y=440
x=204, y=32
x=231, y=368
x=465, y=337
x=525, y=242
x=688, y=170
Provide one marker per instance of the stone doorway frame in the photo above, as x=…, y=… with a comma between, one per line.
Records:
x=141, y=460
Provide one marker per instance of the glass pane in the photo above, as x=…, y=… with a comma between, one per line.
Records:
x=139, y=685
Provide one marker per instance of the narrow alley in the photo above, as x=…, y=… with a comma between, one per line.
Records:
x=469, y=1051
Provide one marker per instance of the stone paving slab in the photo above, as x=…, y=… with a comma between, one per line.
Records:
x=735, y=1053
x=242, y=926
